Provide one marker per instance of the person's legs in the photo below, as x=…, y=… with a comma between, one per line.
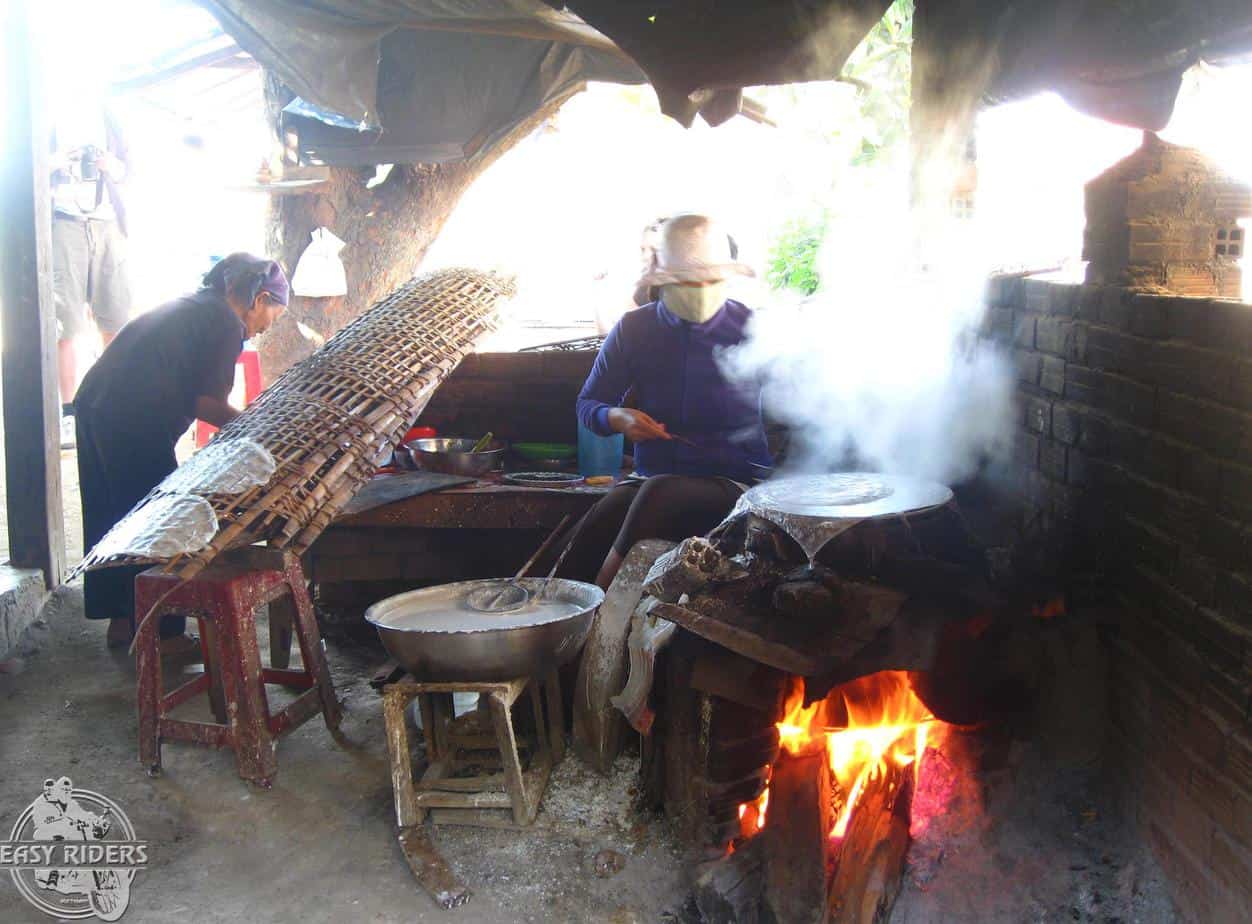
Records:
x=673, y=507
x=596, y=534
x=67, y=370
x=108, y=288
x=71, y=261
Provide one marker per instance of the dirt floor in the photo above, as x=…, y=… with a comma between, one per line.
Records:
x=1015, y=840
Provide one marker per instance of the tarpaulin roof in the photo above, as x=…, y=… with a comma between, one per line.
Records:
x=469, y=69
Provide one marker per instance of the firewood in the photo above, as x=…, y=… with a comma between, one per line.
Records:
x=728, y=890
x=693, y=565
x=797, y=832
x=804, y=599
x=870, y=861
x=431, y=869
x=866, y=608
x=739, y=679
x=741, y=640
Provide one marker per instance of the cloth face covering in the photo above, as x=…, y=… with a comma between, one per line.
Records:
x=694, y=303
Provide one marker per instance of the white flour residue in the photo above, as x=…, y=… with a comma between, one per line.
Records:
x=455, y=619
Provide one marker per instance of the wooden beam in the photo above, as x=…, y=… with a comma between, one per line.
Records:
x=32, y=441
x=214, y=58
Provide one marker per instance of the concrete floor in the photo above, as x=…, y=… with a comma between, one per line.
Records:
x=1016, y=837
x=319, y=846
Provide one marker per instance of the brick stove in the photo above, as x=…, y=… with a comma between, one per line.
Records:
x=777, y=666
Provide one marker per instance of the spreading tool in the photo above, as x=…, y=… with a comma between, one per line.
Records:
x=509, y=595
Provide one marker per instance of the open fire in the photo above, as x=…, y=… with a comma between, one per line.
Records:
x=862, y=725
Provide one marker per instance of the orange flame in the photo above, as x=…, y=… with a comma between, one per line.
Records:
x=872, y=720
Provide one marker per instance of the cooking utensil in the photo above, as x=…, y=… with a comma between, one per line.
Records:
x=483, y=441
x=455, y=456
x=434, y=635
x=544, y=479
x=510, y=595
x=577, y=531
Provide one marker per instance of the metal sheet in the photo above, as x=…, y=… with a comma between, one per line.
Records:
x=847, y=495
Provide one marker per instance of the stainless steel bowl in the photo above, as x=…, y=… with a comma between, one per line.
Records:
x=486, y=654
x=453, y=457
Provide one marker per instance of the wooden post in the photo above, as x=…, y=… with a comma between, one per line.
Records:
x=32, y=440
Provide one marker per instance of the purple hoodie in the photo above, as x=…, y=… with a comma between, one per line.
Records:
x=670, y=367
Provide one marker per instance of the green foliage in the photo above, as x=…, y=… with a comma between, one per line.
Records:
x=881, y=70
x=793, y=256
x=881, y=67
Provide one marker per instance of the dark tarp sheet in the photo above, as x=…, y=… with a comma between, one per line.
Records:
x=466, y=109
x=1117, y=59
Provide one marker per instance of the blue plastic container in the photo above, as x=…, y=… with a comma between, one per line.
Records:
x=599, y=455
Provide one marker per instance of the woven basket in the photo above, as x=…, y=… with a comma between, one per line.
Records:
x=326, y=423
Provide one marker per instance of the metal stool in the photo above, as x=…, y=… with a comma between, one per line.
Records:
x=223, y=599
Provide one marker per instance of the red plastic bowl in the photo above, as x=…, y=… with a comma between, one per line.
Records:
x=418, y=433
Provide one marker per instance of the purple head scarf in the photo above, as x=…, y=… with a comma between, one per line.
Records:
x=275, y=284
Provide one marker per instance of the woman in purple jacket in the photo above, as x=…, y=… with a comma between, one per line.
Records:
x=698, y=437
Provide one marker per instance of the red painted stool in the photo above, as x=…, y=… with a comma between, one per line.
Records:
x=223, y=599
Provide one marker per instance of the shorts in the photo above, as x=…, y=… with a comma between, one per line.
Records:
x=89, y=268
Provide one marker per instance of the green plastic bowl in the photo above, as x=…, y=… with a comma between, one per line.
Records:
x=546, y=450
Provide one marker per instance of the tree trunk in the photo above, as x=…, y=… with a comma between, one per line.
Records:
x=386, y=231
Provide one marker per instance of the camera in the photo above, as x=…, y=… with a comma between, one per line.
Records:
x=88, y=162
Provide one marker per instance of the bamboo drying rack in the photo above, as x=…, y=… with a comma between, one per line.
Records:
x=329, y=419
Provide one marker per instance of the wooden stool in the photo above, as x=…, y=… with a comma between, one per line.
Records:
x=223, y=599
x=472, y=800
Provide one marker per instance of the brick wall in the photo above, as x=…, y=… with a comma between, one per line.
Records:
x=1134, y=451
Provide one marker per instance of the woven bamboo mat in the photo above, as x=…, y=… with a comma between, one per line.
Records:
x=325, y=423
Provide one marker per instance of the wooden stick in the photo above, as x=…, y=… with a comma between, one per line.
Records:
x=431, y=869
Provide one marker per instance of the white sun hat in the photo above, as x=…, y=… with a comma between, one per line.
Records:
x=693, y=248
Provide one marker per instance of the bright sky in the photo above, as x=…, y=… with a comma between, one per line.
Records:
x=565, y=208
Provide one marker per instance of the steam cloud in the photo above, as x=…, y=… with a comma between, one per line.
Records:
x=880, y=368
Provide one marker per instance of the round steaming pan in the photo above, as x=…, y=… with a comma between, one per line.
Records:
x=435, y=635
x=846, y=496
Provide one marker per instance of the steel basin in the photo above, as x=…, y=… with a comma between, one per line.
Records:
x=486, y=654
x=453, y=456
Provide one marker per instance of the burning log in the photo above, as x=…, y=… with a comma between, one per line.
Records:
x=797, y=829
x=871, y=854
